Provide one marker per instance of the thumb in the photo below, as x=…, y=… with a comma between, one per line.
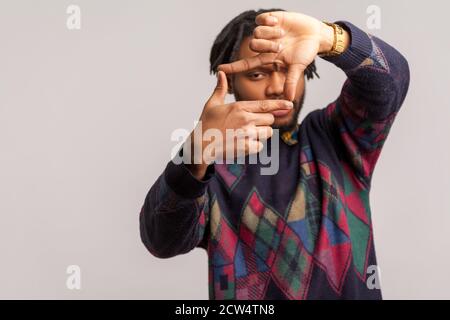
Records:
x=220, y=91
x=290, y=85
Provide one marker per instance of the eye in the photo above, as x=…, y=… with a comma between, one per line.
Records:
x=255, y=75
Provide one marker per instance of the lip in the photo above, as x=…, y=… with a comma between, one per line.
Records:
x=281, y=113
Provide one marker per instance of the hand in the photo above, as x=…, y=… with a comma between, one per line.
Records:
x=292, y=38
x=254, y=118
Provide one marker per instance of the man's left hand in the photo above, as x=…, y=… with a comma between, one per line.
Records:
x=288, y=37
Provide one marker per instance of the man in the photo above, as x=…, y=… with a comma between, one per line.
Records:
x=304, y=232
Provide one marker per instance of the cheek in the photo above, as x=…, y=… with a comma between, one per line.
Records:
x=249, y=90
x=300, y=88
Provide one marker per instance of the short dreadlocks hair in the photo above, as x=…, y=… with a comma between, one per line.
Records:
x=227, y=44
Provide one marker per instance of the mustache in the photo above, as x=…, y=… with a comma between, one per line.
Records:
x=298, y=105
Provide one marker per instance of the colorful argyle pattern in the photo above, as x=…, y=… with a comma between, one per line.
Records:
x=332, y=233
x=328, y=221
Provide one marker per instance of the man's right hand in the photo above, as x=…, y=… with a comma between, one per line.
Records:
x=254, y=118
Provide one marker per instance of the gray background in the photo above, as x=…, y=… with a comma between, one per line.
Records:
x=85, y=124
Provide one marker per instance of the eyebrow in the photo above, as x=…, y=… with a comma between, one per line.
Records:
x=269, y=67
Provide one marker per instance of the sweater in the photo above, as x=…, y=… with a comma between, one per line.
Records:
x=306, y=231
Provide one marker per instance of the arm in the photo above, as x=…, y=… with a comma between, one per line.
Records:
x=377, y=84
x=378, y=79
x=176, y=209
x=174, y=216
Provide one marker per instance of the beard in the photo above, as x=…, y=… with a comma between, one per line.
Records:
x=293, y=121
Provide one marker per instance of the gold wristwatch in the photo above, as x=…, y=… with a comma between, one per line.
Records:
x=338, y=43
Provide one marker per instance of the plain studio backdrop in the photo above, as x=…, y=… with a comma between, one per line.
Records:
x=86, y=118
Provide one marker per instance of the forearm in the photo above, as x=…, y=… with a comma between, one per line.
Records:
x=172, y=219
x=378, y=75
x=361, y=118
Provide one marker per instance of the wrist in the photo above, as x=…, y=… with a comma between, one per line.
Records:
x=197, y=165
x=335, y=34
x=326, y=38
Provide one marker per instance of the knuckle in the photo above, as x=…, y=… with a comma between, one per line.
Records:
x=280, y=32
x=258, y=33
x=276, y=46
x=263, y=105
x=245, y=117
x=236, y=107
x=254, y=44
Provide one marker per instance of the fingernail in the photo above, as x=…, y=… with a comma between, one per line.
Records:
x=289, y=104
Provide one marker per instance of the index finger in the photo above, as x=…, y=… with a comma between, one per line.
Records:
x=290, y=84
x=266, y=106
x=269, y=18
x=247, y=63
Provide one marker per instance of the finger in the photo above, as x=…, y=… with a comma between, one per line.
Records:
x=290, y=85
x=265, y=106
x=264, y=32
x=247, y=64
x=262, y=119
x=248, y=146
x=264, y=133
x=247, y=132
x=263, y=46
x=220, y=91
x=255, y=146
x=255, y=133
x=268, y=18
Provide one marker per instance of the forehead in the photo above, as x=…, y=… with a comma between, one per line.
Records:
x=244, y=50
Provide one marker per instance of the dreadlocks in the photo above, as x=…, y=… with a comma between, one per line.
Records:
x=226, y=46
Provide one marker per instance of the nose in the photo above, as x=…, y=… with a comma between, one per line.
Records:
x=275, y=87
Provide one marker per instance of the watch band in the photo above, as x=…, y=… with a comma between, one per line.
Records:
x=338, y=43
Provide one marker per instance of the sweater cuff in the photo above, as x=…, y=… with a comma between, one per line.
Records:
x=182, y=182
x=359, y=49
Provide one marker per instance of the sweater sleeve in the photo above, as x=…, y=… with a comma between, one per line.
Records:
x=175, y=213
x=376, y=86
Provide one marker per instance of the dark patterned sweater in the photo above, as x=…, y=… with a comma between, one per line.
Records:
x=305, y=232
